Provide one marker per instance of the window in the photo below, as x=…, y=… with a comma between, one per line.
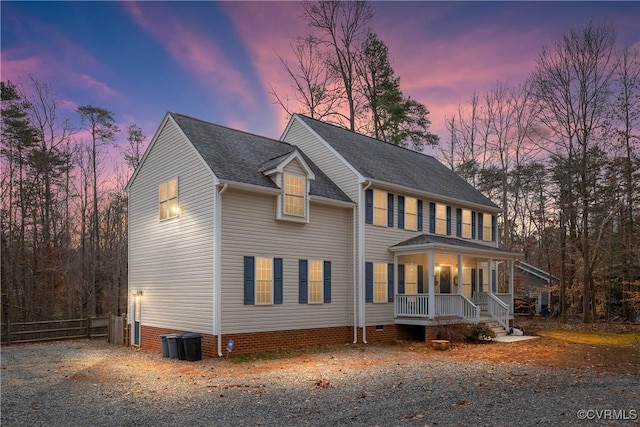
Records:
x=380, y=208
x=441, y=219
x=411, y=279
x=466, y=223
x=486, y=228
x=315, y=282
x=168, y=199
x=410, y=213
x=295, y=188
x=380, y=284
x=264, y=281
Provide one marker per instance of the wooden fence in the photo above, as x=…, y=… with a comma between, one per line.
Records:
x=48, y=330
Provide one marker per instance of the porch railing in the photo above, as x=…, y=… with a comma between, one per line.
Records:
x=480, y=299
x=446, y=305
x=506, y=298
x=412, y=305
x=498, y=310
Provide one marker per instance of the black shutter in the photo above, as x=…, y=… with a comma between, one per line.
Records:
x=401, y=212
x=401, y=278
x=459, y=222
x=249, y=280
x=419, y=215
x=390, y=286
x=473, y=225
x=480, y=230
x=368, y=281
x=368, y=201
x=303, y=281
x=432, y=218
x=390, y=209
x=327, y=281
x=277, y=281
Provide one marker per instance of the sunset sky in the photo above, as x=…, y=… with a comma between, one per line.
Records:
x=215, y=60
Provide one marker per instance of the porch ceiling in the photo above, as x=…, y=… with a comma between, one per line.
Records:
x=427, y=242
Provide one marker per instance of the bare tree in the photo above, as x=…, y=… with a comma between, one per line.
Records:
x=571, y=82
x=342, y=27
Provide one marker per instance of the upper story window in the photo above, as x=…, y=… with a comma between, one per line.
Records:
x=168, y=199
x=410, y=213
x=380, y=208
x=466, y=224
x=486, y=227
x=295, y=188
x=441, y=219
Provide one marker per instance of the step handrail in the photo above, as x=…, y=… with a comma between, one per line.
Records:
x=498, y=310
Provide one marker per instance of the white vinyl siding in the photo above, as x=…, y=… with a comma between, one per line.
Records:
x=249, y=229
x=172, y=261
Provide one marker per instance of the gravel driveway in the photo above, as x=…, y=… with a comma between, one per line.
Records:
x=92, y=383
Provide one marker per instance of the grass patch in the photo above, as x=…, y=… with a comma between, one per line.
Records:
x=592, y=337
x=287, y=353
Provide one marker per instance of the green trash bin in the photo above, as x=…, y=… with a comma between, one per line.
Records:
x=192, y=344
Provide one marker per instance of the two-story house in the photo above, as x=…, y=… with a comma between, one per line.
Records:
x=326, y=236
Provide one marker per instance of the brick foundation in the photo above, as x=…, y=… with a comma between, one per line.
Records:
x=278, y=340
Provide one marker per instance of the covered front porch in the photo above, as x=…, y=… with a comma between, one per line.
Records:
x=444, y=280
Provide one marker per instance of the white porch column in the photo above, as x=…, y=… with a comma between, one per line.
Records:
x=511, y=284
x=395, y=285
x=431, y=304
x=459, y=274
x=490, y=268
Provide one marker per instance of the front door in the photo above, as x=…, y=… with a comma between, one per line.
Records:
x=136, y=320
x=445, y=279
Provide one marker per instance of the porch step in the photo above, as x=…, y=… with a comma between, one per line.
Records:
x=494, y=325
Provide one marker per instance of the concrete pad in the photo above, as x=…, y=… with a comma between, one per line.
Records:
x=514, y=338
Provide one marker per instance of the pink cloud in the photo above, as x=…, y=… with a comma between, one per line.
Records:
x=193, y=51
x=101, y=88
x=16, y=68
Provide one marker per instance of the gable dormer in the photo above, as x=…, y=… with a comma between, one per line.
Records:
x=291, y=173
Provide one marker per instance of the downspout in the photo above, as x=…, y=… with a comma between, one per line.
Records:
x=361, y=261
x=355, y=277
x=217, y=239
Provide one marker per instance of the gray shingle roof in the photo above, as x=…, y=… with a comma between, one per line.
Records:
x=381, y=161
x=426, y=239
x=238, y=156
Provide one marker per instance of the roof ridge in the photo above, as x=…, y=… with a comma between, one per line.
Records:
x=366, y=136
x=231, y=129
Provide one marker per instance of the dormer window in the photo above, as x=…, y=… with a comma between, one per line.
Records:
x=295, y=189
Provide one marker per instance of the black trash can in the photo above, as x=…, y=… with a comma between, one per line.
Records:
x=180, y=346
x=192, y=346
x=165, y=346
x=172, y=343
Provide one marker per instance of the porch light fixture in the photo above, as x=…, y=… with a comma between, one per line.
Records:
x=138, y=294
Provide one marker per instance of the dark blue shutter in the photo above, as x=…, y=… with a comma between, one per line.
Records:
x=401, y=212
x=368, y=281
x=480, y=221
x=303, y=281
x=249, y=280
x=448, y=220
x=390, y=210
x=473, y=225
x=368, y=202
x=432, y=218
x=419, y=215
x=420, y=279
x=327, y=281
x=401, y=278
x=277, y=281
x=390, y=287
x=493, y=228
x=459, y=222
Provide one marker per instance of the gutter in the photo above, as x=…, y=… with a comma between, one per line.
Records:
x=217, y=273
x=361, y=259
